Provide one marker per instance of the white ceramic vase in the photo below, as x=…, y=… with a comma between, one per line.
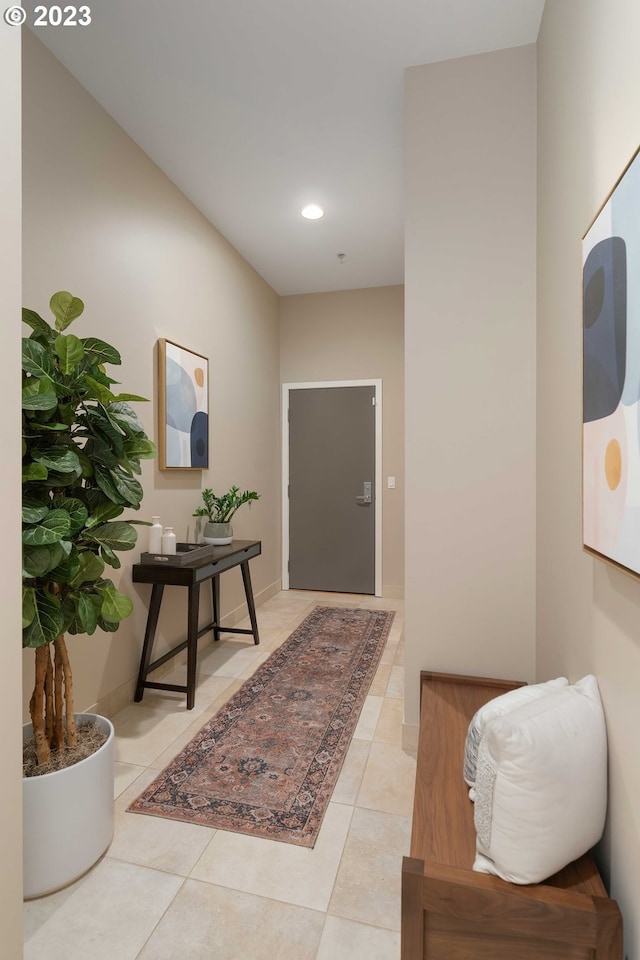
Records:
x=218, y=534
x=67, y=817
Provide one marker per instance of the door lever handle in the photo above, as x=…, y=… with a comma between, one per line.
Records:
x=366, y=495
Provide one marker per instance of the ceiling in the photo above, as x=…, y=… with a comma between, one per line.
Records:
x=255, y=108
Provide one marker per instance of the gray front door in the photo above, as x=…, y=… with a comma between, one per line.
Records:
x=331, y=460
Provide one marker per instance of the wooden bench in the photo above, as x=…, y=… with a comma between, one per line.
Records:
x=449, y=912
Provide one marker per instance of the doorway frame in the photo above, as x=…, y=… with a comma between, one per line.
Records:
x=329, y=384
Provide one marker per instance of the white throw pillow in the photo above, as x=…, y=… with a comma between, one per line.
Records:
x=541, y=785
x=498, y=707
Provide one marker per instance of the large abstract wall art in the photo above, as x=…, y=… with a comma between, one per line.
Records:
x=611, y=384
x=183, y=380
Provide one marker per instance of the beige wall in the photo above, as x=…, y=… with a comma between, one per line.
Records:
x=357, y=334
x=10, y=662
x=470, y=368
x=102, y=221
x=588, y=613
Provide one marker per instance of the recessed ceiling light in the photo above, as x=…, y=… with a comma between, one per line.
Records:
x=313, y=212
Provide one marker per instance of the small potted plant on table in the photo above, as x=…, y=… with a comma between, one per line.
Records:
x=219, y=511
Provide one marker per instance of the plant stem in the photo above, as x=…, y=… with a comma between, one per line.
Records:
x=48, y=708
x=58, y=743
x=72, y=735
x=36, y=706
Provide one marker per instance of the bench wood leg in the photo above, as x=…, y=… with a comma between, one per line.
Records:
x=412, y=920
x=609, y=938
x=149, y=636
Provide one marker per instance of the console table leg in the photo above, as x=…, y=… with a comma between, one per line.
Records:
x=192, y=643
x=248, y=591
x=215, y=598
x=149, y=635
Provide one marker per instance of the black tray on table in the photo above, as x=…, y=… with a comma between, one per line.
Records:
x=185, y=553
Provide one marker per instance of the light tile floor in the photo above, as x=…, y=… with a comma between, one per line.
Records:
x=167, y=889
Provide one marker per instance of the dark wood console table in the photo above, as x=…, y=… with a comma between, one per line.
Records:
x=192, y=575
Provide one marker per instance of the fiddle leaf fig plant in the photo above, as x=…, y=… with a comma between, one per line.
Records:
x=220, y=509
x=81, y=450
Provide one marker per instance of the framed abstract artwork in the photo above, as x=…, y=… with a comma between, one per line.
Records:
x=183, y=383
x=611, y=376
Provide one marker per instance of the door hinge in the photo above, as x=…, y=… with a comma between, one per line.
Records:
x=288, y=566
x=289, y=490
x=373, y=401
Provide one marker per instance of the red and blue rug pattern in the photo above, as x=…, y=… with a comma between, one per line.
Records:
x=267, y=763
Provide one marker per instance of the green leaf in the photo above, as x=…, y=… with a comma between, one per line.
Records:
x=102, y=452
x=101, y=376
x=67, y=414
x=130, y=397
x=131, y=466
x=36, y=561
x=106, y=434
x=47, y=427
x=28, y=605
x=129, y=488
x=33, y=510
x=54, y=527
x=91, y=569
x=47, y=622
x=67, y=568
x=65, y=308
x=98, y=391
x=117, y=535
x=105, y=482
x=110, y=557
x=76, y=509
x=60, y=480
x=35, y=321
x=126, y=417
x=86, y=613
x=115, y=605
x=140, y=449
x=57, y=458
x=70, y=352
x=100, y=351
x=39, y=395
x=103, y=512
x=36, y=360
x=69, y=621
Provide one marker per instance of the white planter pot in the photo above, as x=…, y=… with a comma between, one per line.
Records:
x=219, y=534
x=68, y=817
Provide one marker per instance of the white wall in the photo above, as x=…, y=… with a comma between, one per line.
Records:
x=10, y=662
x=588, y=613
x=101, y=220
x=470, y=368
x=357, y=334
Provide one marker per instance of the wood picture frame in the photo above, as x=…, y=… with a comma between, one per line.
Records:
x=611, y=376
x=183, y=408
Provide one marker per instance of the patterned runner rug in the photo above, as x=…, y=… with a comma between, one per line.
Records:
x=267, y=763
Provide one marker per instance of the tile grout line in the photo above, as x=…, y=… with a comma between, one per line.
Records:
x=161, y=918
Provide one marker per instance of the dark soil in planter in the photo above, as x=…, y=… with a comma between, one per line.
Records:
x=90, y=739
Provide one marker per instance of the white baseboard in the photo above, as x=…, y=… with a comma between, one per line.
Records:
x=392, y=592
x=410, y=737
